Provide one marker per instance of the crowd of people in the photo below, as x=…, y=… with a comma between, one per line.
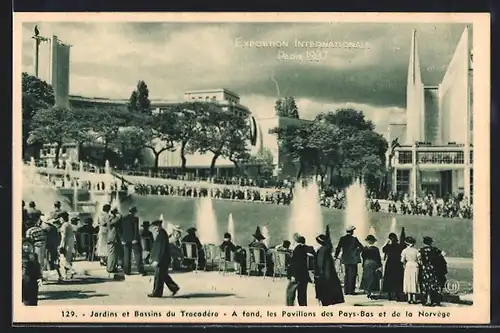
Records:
x=51, y=242
x=450, y=207
x=275, y=192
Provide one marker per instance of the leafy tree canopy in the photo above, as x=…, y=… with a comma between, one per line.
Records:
x=286, y=107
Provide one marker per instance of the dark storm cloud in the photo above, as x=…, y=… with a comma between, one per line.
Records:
x=174, y=57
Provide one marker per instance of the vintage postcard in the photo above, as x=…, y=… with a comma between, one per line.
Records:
x=251, y=168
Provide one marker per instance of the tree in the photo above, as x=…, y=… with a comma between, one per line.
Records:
x=132, y=102
x=139, y=99
x=323, y=137
x=161, y=131
x=294, y=142
x=223, y=133
x=361, y=151
x=264, y=159
x=54, y=125
x=286, y=107
x=107, y=124
x=36, y=95
x=129, y=143
x=188, y=126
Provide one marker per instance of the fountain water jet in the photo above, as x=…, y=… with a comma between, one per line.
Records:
x=305, y=216
x=230, y=227
x=42, y=193
x=265, y=233
x=356, y=213
x=393, y=224
x=206, y=222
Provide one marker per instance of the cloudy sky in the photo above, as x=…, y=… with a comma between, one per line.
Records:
x=107, y=60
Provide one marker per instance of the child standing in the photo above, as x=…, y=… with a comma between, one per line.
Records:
x=65, y=265
x=31, y=274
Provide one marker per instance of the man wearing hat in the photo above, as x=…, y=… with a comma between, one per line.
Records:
x=130, y=238
x=258, y=242
x=86, y=231
x=51, y=228
x=351, y=249
x=192, y=238
x=160, y=260
x=298, y=273
x=31, y=274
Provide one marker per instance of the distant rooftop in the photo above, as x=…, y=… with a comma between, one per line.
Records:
x=217, y=90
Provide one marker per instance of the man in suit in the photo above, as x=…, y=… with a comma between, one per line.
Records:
x=86, y=231
x=113, y=241
x=298, y=273
x=160, y=260
x=351, y=256
x=131, y=241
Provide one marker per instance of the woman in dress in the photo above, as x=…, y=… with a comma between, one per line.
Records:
x=327, y=283
x=394, y=270
x=433, y=266
x=372, y=267
x=409, y=258
x=102, y=235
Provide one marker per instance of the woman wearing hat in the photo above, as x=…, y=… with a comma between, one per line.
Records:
x=409, y=258
x=327, y=283
x=192, y=238
x=146, y=240
x=372, y=267
x=394, y=270
x=258, y=242
x=433, y=271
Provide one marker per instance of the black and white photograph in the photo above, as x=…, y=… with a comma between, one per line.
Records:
x=268, y=168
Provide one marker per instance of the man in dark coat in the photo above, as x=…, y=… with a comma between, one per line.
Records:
x=160, y=260
x=86, y=231
x=130, y=238
x=227, y=246
x=113, y=241
x=351, y=256
x=327, y=283
x=31, y=274
x=298, y=273
x=192, y=238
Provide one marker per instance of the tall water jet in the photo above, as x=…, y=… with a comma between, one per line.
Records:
x=265, y=233
x=393, y=224
x=372, y=231
x=356, y=213
x=305, y=214
x=230, y=227
x=80, y=166
x=206, y=222
x=36, y=189
x=107, y=168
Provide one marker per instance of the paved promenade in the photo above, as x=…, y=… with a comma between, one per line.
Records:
x=201, y=288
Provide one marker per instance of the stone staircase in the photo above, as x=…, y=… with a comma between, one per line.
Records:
x=83, y=200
